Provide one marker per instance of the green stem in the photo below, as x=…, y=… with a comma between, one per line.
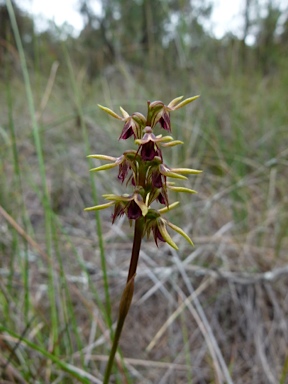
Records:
x=126, y=296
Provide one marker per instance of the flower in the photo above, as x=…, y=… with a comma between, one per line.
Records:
x=119, y=210
x=132, y=205
x=125, y=162
x=156, y=224
x=158, y=112
x=133, y=126
x=145, y=171
x=115, y=161
x=133, y=210
x=148, y=145
x=123, y=170
x=157, y=181
x=157, y=235
x=177, y=173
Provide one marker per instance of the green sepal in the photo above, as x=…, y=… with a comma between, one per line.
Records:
x=174, y=102
x=166, y=172
x=163, y=230
x=166, y=209
x=99, y=207
x=132, y=155
x=181, y=232
x=186, y=171
x=172, y=143
x=152, y=214
x=185, y=102
x=164, y=139
x=158, y=139
x=139, y=201
x=104, y=167
x=110, y=112
x=139, y=119
x=175, y=175
x=124, y=113
x=111, y=196
x=156, y=161
x=102, y=157
x=154, y=109
x=181, y=189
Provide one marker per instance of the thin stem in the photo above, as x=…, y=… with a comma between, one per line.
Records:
x=126, y=296
x=138, y=232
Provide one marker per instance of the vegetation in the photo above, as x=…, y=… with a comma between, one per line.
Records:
x=213, y=313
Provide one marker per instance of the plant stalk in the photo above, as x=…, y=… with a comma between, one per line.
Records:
x=127, y=296
x=138, y=233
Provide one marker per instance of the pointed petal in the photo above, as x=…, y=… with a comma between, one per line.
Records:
x=185, y=102
x=174, y=102
x=181, y=189
x=164, y=233
x=139, y=119
x=124, y=113
x=139, y=201
x=118, y=211
x=167, y=172
x=164, y=120
x=102, y=157
x=111, y=196
x=154, y=112
x=164, y=139
x=172, y=143
x=110, y=112
x=166, y=209
x=180, y=231
x=186, y=171
x=104, y=167
x=99, y=207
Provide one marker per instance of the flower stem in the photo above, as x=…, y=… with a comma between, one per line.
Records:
x=126, y=296
x=138, y=233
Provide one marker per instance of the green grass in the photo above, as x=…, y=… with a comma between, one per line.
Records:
x=62, y=271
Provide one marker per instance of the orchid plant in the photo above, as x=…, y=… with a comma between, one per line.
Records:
x=145, y=172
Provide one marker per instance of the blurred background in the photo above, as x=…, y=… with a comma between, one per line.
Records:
x=215, y=313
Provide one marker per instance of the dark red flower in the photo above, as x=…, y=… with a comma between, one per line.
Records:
x=158, y=112
x=127, y=130
x=148, y=145
x=157, y=235
x=123, y=170
x=157, y=179
x=161, y=198
x=164, y=120
x=133, y=211
x=149, y=150
x=133, y=125
x=119, y=211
